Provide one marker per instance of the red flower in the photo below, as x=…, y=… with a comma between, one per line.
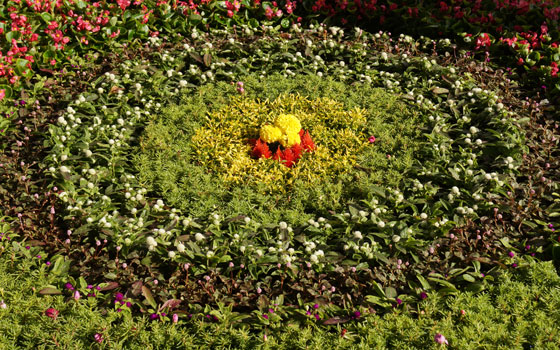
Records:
x=297, y=149
x=306, y=141
x=554, y=69
x=52, y=313
x=288, y=158
x=483, y=41
x=278, y=155
x=261, y=150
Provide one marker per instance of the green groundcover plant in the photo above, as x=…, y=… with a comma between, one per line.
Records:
x=519, y=311
x=194, y=165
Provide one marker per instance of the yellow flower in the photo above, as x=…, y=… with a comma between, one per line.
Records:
x=290, y=139
x=270, y=133
x=288, y=123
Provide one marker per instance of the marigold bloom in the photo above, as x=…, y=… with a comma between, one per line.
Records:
x=270, y=133
x=291, y=139
x=288, y=123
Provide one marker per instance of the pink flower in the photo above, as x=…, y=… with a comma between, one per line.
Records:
x=554, y=69
x=77, y=295
x=98, y=337
x=371, y=139
x=440, y=339
x=175, y=318
x=269, y=13
x=2, y=94
x=52, y=313
x=483, y=41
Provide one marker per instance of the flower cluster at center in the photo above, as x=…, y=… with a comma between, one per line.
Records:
x=284, y=140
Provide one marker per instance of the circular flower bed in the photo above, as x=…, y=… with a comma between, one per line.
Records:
x=442, y=151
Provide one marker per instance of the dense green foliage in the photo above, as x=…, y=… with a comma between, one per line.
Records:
x=172, y=164
x=122, y=228
x=520, y=311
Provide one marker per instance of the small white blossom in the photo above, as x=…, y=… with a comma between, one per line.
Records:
x=151, y=241
x=199, y=237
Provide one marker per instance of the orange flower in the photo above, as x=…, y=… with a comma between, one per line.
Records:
x=297, y=149
x=306, y=141
x=261, y=150
x=289, y=158
x=278, y=155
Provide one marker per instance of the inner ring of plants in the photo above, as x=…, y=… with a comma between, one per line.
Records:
x=224, y=164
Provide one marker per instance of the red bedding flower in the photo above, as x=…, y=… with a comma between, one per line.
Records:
x=288, y=156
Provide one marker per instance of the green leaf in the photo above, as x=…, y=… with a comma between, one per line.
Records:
x=377, y=288
x=439, y=90
x=144, y=29
x=207, y=59
x=442, y=282
x=111, y=276
x=148, y=295
x=423, y=282
x=447, y=291
x=21, y=65
x=391, y=292
x=476, y=265
x=46, y=17
x=194, y=18
x=82, y=282
x=253, y=23
x=467, y=277
x=377, y=301
x=475, y=287
x=285, y=23
x=50, y=291
x=60, y=266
